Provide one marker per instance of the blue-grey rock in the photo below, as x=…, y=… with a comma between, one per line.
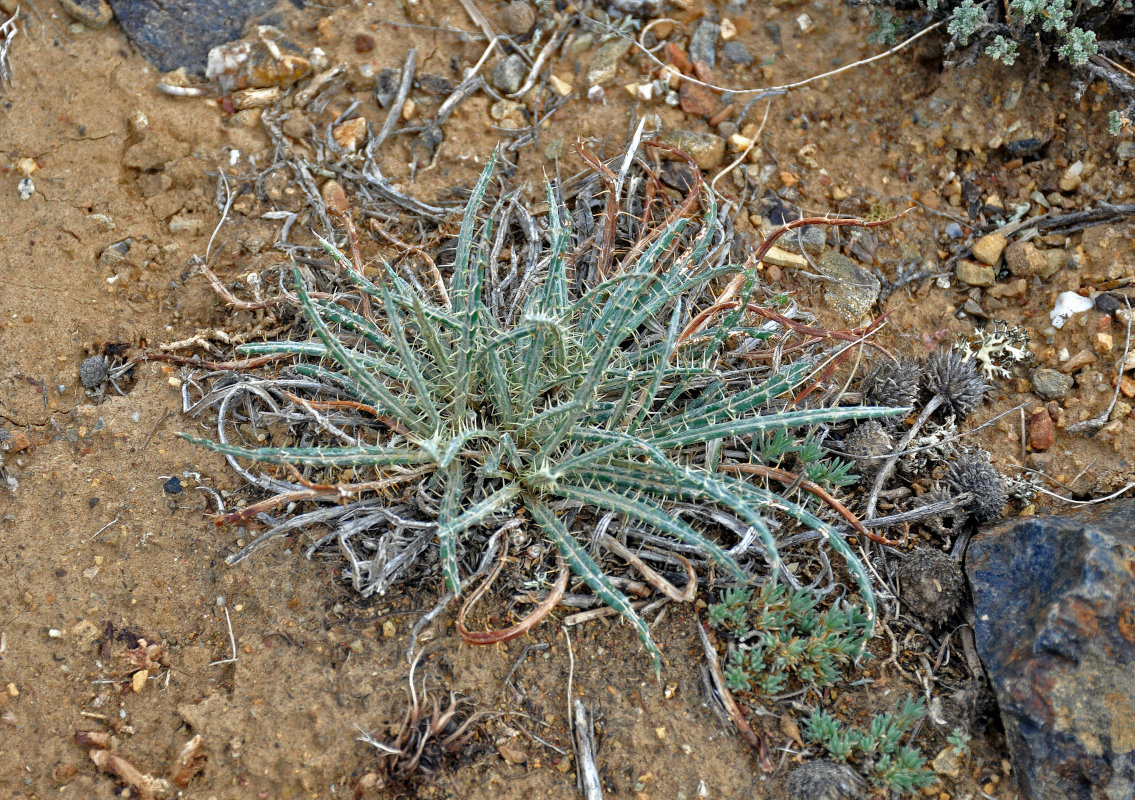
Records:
x=1054, y=599
x=180, y=33
x=702, y=43
x=735, y=52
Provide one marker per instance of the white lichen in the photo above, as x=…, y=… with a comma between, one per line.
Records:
x=997, y=348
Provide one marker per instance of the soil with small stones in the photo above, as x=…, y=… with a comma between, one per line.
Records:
x=97, y=555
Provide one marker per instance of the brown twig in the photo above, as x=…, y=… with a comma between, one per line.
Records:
x=147, y=787
x=758, y=743
x=652, y=577
x=244, y=363
x=232, y=300
x=610, y=211
x=435, y=273
x=317, y=490
x=791, y=479
x=389, y=422
x=528, y=623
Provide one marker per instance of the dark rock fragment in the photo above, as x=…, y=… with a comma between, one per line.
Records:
x=1054, y=599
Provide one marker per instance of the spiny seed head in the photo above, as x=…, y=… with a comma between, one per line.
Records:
x=973, y=474
x=891, y=383
x=932, y=584
x=868, y=444
x=823, y=779
x=955, y=378
x=94, y=371
x=942, y=524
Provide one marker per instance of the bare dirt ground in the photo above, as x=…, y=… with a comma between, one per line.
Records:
x=91, y=544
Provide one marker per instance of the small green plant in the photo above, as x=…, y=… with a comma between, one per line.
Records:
x=1003, y=50
x=959, y=740
x=779, y=635
x=878, y=750
x=1069, y=30
x=584, y=405
x=886, y=27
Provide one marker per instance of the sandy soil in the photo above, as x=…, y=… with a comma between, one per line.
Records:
x=96, y=556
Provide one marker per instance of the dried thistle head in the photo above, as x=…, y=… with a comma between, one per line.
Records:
x=954, y=378
x=891, y=383
x=94, y=371
x=824, y=779
x=932, y=584
x=868, y=444
x=945, y=523
x=971, y=473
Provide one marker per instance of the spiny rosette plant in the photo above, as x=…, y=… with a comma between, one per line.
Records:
x=778, y=635
x=574, y=405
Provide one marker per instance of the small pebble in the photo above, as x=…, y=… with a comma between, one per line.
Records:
x=702, y=42
x=508, y=74
x=1051, y=384
x=364, y=43
x=172, y=486
x=1042, y=431
x=954, y=230
x=988, y=249
x=736, y=53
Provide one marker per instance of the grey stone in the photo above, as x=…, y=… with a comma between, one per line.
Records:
x=852, y=290
x=1050, y=383
x=1054, y=599
x=114, y=254
x=1125, y=150
x=702, y=43
x=180, y=33
x=735, y=52
x=809, y=239
x=508, y=74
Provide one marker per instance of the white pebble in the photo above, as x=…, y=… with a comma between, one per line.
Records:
x=1067, y=304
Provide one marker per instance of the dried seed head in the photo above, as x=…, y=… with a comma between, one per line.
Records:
x=955, y=378
x=932, y=584
x=868, y=444
x=823, y=779
x=94, y=371
x=942, y=524
x=891, y=383
x=973, y=474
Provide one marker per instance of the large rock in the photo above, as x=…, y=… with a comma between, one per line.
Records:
x=180, y=33
x=1055, y=606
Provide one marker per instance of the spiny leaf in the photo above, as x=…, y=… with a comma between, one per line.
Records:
x=655, y=516
x=350, y=362
x=593, y=575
